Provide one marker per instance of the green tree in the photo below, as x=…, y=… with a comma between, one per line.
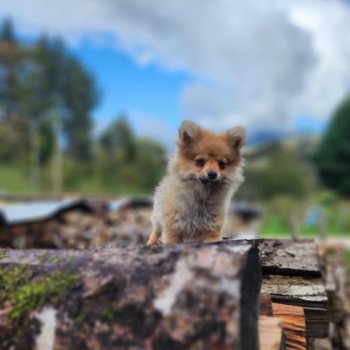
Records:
x=124, y=159
x=332, y=157
x=79, y=96
x=150, y=163
x=282, y=171
x=120, y=139
x=9, y=66
x=285, y=175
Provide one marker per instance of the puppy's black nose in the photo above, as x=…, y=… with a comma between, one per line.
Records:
x=212, y=175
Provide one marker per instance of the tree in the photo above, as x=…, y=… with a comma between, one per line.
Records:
x=332, y=157
x=124, y=159
x=79, y=96
x=119, y=139
x=150, y=163
x=9, y=64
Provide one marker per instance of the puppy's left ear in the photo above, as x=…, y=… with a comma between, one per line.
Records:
x=236, y=137
x=188, y=131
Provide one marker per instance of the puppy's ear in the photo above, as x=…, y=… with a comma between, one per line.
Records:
x=188, y=131
x=236, y=137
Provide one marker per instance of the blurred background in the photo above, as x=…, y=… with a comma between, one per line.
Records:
x=92, y=93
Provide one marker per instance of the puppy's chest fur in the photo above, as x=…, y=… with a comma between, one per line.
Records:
x=195, y=209
x=197, y=217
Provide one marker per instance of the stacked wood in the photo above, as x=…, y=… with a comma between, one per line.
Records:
x=165, y=297
x=293, y=290
x=271, y=333
x=186, y=296
x=81, y=224
x=337, y=286
x=293, y=323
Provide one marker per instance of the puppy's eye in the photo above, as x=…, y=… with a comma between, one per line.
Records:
x=222, y=165
x=200, y=162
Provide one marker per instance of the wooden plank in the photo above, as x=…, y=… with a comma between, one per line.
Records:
x=296, y=290
x=287, y=257
x=294, y=325
x=265, y=304
x=271, y=335
x=317, y=322
x=307, y=293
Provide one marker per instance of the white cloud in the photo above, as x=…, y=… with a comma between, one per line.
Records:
x=256, y=62
x=148, y=126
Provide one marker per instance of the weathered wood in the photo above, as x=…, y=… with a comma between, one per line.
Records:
x=265, y=304
x=294, y=325
x=307, y=293
x=317, y=322
x=323, y=344
x=296, y=290
x=271, y=336
x=173, y=297
x=338, y=295
x=289, y=257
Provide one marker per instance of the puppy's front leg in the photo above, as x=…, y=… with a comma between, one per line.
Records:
x=155, y=235
x=170, y=236
x=212, y=237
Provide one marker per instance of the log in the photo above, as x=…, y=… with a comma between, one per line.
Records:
x=294, y=325
x=165, y=297
x=271, y=335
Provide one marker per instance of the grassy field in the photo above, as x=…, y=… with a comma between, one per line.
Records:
x=14, y=180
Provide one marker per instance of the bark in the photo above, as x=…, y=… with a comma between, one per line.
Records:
x=165, y=297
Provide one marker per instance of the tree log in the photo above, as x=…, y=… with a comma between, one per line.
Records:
x=164, y=297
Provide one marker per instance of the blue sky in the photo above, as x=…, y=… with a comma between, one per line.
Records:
x=129, y=88
x=270, y=65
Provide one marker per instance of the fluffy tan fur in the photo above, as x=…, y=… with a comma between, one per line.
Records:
x=188, y=205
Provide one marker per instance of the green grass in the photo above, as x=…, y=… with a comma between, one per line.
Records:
x=13, y=179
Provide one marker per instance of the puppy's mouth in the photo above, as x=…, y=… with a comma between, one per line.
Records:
x=207, y=181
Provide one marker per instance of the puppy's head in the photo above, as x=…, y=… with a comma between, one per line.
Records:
x=208, y=157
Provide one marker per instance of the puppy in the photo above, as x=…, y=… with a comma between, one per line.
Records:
x=191, y=201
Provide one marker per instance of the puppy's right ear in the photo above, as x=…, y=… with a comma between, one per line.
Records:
x=188, y=131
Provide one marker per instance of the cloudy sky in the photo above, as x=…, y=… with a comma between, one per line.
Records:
x=271, y=65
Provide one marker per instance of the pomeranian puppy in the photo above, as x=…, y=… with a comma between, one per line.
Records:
x=191, y=201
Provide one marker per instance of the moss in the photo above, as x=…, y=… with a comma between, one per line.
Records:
x=33, y=294
x=26, y=294
x=10, y=279
x=153, y=249
x=55, y=259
